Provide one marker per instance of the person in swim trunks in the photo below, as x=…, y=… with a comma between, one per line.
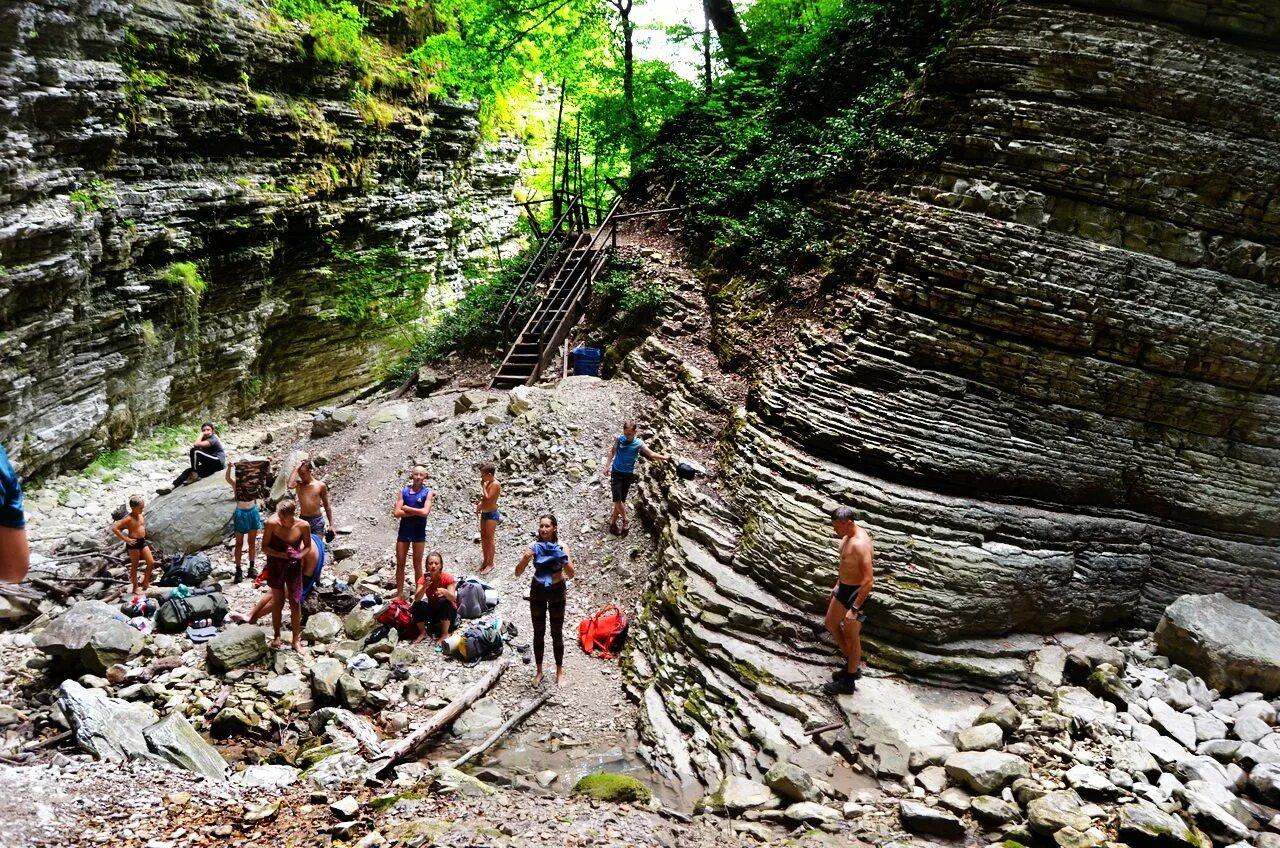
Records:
x=313, y=499
x=413, y=505
x=285, y=543
x=621, y=468
x=312, y=559
x=135, y=543
x=848, y=596
x=246, y=480
x=490, y=517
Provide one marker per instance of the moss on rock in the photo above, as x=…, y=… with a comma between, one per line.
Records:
x=608, y=786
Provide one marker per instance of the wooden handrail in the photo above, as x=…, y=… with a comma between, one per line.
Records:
x=506, y=316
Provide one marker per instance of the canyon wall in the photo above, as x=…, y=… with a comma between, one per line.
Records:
x=152, y=149
x=1045, y=378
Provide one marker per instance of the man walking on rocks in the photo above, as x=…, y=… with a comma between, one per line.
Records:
x=621, y=467
x=853, y=586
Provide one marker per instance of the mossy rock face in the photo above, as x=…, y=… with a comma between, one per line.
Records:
x=612, y=787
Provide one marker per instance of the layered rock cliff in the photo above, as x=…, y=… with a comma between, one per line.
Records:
x=153, y=149
x=1047, y=381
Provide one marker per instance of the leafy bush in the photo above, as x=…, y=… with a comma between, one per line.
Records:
x=376, y=286
x=185, y=274
x=469, y=325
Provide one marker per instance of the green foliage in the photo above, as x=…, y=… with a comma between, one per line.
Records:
x=96, y=195
x=163, y=441
x=469, y=325
x=337, y=29
x=376, y=286
x=185, y=274
x=626, y=303
x=826, y=100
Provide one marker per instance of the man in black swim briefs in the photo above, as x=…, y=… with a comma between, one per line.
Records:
x=848, y=596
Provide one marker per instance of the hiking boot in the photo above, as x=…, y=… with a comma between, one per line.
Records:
x=845, y=685
x=180, y=480
x=840, y=672
x=239, y=576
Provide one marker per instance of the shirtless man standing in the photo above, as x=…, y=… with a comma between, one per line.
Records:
x=844, y=612
x=490, y=518
x=313, y=496
x=285, y=543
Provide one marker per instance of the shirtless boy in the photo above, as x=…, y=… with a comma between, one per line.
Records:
x=135, y=543
x=844, y=612
x=490, y=518
x=312, y=496
x=285, y=543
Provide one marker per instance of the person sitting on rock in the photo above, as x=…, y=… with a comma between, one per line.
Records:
x=848, y=596
x=207, y=456
x=248, y=485
x=621, y=466
x=413, y=505
x=313, y=499
x=547, y=594
x=136, y=546
x=15, y=551
x=285, y=543
x=490, y=517
x=435, y=604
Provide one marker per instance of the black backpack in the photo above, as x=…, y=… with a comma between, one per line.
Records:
x=483, y=641
x=187, y=569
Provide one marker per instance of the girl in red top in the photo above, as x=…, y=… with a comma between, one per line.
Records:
x=435, y=604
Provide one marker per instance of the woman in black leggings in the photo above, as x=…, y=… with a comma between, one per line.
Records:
x=551, y=567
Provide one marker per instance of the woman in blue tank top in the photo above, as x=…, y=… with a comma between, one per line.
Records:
x=413, y=505
x=621, y=467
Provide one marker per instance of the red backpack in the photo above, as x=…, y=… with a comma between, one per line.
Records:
x=397, y=614
x=606, y=629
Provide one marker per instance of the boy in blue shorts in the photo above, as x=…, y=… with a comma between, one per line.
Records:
x=248, y=481
x=621, y=467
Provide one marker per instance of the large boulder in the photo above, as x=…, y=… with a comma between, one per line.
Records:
x=737, y=793
x=90, y=634
x=792, y=782
x=326, y=422
x=325, y=675
x=191, y=517
x=174, y=740
x=1234, y=647
x=1055, y=810
x=235, y=647
x=322, y=627
x=387, y=414
x=985, y=772
x=1144, y=825
x=280, y=487
x=108, y=728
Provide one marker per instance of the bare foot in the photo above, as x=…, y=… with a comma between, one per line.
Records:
x=298, y=649
x=537, y=680
x=239, y=618
x=560, y=681
x=276, y=643
x=485, y=569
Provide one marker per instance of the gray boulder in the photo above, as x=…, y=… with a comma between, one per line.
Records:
x=466, y=402
x=791, y=782
x=326, y=422
x=993, y=810
x=322, y=627
x=1004, y=715
x=1178, y=725
x=737, y=793
x=1084, y=709
x=917, y=818
x=1264, y=780
x=191, y=517
x=1055, y=810
x=483, y=717
x=90, y=635
x=430, y=381
x=236, y=647
x=1234, y=647
x=351, y=692
x=359, y=623
x=451, y=781
x=339, y=770
x=174, y=740
x=984, y=772
x=325, y=675
x=1144, y=825
x=980, y=737
x=108, y=728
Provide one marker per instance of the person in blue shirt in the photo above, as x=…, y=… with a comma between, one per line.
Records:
x=621, y=468
x=14, y=552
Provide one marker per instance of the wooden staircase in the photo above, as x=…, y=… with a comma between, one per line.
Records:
x=571, y=274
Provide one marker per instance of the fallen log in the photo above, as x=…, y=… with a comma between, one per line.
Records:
x=442, y=718
x=520, y=716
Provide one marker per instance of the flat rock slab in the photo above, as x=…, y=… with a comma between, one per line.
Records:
x=70, y=632
x=109, y=728
x=1234, y=647
x=235, y=647
x=174, y=740
x=896, y=717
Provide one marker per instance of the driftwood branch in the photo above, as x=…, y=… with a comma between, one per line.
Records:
x=442, y=718
x=520, y=716
x=835, y=725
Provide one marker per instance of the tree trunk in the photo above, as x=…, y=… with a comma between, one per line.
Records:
x=733, y=41
x=629, y=73
x=706, y=54
x=444, y=717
